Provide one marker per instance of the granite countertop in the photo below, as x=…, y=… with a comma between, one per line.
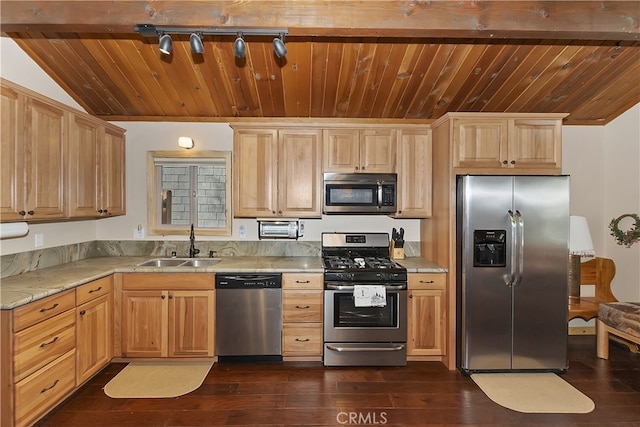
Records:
x=24, y=288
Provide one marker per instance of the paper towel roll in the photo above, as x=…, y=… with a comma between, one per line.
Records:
x=13, y=229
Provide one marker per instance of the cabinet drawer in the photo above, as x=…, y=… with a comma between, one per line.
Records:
x=43, y=309
x=94, y=289
x=427, y=281
x=301, y=306
x=37, y=393
x=38, y=345
x=164, y=281
x=302, y=339
x=302, y=281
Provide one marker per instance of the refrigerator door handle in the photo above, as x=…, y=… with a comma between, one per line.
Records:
x=520, y=247
x=512, y=273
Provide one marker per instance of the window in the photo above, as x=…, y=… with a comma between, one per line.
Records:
x=189, y=188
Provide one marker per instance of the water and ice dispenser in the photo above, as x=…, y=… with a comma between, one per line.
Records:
x=489, y=248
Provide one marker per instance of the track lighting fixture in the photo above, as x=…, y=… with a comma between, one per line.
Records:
x=239, y=48
x=195, y=40
x=278, y=46
x=166, y=44
x=195, y=37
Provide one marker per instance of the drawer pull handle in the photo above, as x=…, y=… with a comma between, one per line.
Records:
x=44, y=344
x=302, y=281
x=42, y=310
x=95, y=290
x=302, y=306
x=302, y=339
x=427, y=281
x=49, y=388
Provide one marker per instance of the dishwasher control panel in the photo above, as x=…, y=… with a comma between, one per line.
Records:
x=248, y=281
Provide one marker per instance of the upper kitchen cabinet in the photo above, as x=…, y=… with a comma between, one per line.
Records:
x=414, y=173
x=57, y=162
x=507, y=143
x=277, y=172
x=96, y=168
x=33, y=156
x=366, y=150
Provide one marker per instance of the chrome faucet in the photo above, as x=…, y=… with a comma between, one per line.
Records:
x=192, y=248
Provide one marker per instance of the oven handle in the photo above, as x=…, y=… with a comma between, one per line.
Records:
x=335, y=287
x=397, y=347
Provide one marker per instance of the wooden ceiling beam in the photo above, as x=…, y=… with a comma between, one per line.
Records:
x=486, y=19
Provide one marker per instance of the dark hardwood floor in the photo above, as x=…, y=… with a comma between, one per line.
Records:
x=309, y=394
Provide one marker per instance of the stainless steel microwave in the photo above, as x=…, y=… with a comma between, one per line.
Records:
x=359, y=193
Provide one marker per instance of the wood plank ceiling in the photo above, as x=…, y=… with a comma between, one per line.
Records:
x=346, y=59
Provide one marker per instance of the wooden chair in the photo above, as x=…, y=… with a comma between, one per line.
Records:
x=598, y=272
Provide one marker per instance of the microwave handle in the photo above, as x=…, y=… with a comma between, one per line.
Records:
x=379, y=194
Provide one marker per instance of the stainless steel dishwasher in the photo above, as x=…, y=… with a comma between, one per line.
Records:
x=248, y=316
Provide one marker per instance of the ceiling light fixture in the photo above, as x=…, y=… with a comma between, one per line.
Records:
x=195, y=40
x=278, y=46
x=239, y=47
x=166, y=44
x=185, y=142
x=195, y=37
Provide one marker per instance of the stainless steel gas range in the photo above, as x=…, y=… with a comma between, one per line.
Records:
x=365, y=301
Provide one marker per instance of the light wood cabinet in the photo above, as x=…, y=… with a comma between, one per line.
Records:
x=426, y=312
x=38, y=349
x=168, y=315
x=277, y=173
x=33, y=157
x=94, y=323
x=368, y=150
x=507, y=142
x=302, y=314
x=414, y=173
x=96, y=181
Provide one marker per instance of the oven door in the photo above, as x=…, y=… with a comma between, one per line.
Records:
x=344, y=322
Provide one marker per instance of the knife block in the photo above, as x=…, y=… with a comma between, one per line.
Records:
x=396, y=253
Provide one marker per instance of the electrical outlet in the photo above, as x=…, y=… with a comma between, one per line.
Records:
x=243, y=232
x=138, y=232
x=39, y=240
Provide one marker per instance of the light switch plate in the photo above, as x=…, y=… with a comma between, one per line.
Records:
x=243, y=232
x=39, y=240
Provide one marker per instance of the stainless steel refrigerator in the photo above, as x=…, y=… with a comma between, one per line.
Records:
x=513, y=251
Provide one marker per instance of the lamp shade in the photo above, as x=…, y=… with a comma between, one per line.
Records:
x=579, y=237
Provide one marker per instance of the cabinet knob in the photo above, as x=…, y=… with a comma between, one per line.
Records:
x=31, y=213
x=279, y=212
x=83, y=312
x=22, y=213
x=504, y=162
x=163, y=297
x=170, y=296
x=513, y=162
x=411, y=296
x=357, y=168
x=99, y=210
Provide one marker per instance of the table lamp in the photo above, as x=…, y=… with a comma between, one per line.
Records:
x=580, y=245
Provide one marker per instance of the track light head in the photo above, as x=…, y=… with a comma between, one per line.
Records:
x=278, y=46
x=166, y=44
x=239, y=47
x=195, y=40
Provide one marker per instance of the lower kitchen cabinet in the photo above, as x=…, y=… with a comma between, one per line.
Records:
x=302, y=312
x=168, y=315
x=94, y=322
x=426, y=316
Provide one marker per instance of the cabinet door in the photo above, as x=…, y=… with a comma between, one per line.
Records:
x=255, y=173
x=341, y=150
x=11, y=158
x=82, y=191
x=111, y=174
x=414, y=173
x=378, y=150
x=94, y=344
x=299, y=173
x=191, y=323
x=426, y=334
x=144, y=323
x=480, y=143
x=535, y=143
x=44, y=160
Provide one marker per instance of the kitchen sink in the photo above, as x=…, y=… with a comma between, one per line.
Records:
x=180, y=262
x=162, y=262
x=200, y=262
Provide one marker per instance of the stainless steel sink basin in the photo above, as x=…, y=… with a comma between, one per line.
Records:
x=201, y=262
x=162, y=262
